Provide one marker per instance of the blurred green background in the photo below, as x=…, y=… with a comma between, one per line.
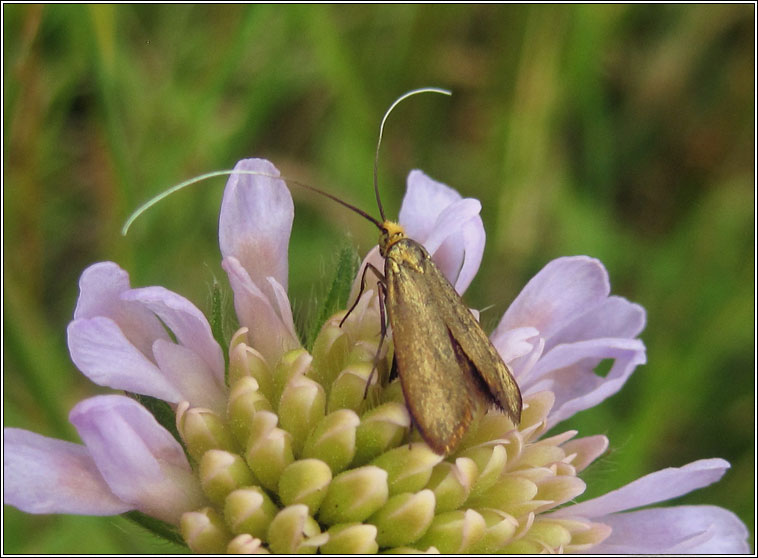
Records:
x=622, y=132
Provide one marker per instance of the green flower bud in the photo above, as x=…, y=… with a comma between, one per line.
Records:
x=512, y=494
x=364, y=352
x=558, y=490
x=329, y=353
x=202, y=430
x=301, y=407
x=408, y=467
x=204, y=531
x=404, y=518
x=409, y=550
x=221, y=472
x=393, y=392
x=500, y=529
x=249, y=510
x=244, y=361
x=583, y=451
x=354, y=495
x=534, y=414
x=245, y=399
x=487, y=428
x=381, y=428
x=539, y=455
x=563, y=469
x=238, y=338
x=237, y=359
x=491, y=462
x=294, y=531
x=584, y=535
x=452, y=483
x=305, y=482
x=551, y=533
x=292, y=364
x=351, y=538
x=349, y=388
x=455, y=532
x=362, y=322
x=333, y=439
x=523, y=546
x=246, y=544
x=269, y=449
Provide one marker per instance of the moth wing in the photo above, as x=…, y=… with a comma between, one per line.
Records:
x=464, y=329
x=488, y=363
x=441, y=387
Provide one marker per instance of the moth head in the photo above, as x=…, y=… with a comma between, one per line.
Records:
x=389, y=234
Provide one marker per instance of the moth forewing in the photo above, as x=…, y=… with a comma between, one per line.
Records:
x=477, y=346
x=448, y=368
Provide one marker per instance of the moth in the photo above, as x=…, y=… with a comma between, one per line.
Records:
x=448, y=368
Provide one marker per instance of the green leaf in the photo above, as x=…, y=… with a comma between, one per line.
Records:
x=162, y=412
x=336, y=298
x=156, y=526
x=217, y=322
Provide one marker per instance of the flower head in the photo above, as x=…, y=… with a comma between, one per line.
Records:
x=286, y=449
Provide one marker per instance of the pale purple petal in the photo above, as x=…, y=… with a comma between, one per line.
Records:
x=519, y=348
x=100, y=350
x=586, y=450
x=187, y=323
x=563, y=290
x=44, y=475
x=473, y=240
x=675, y=530
x=656, y=487
x=614, y=317
x=255, y=223
x=140, y=460
x=515, y=343
x=457, y=241
x=190, y=375
x=101, y=287
x=698, y=529
x=424, y=200
x=282, y=304
x=569, y=372
x=269, y=332
x=448, y=226
x=450, y=255
x=449, y=222
x=522, y=367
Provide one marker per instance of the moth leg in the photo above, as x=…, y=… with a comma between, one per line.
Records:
x=383, y=320
x=378, y=274
x=382, y=316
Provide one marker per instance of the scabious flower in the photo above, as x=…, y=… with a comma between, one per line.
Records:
x=284, y=450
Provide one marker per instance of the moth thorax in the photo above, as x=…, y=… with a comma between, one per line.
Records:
x=390, y=233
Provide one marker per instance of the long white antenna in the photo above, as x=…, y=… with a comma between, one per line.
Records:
x=381, y=132
x=150, y=203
